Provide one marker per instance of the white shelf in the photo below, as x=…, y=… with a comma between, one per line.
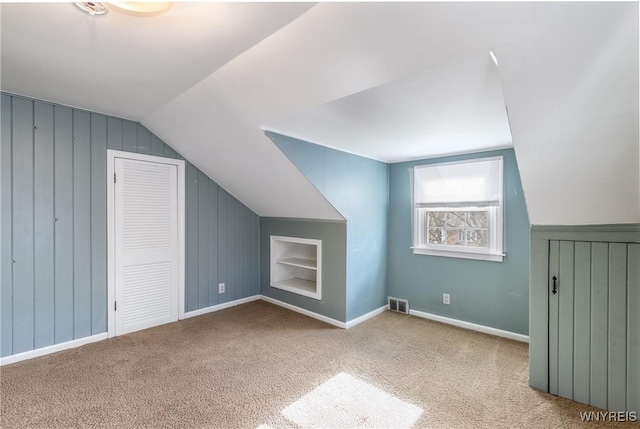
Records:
x=298, y=285
x=299, y=262
x=296, y=265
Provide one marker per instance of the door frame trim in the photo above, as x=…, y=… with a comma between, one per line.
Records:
x=111, y=292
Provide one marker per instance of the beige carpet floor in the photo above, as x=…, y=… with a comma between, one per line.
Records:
x=243, y=366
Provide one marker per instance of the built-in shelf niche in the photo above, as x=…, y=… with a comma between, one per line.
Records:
x=296, y=265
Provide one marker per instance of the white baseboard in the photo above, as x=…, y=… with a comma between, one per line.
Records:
x=52, y=349
x=369, y=315
x=99, y=337
x=92, y=339
x=219, y=307
x=472, y=326
x=311, y=314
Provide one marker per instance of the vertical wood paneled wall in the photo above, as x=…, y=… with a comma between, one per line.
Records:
x=53, y=225
x=585, y=339
x=222, y=243
x=592, y=347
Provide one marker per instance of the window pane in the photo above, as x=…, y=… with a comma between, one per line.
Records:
x=477, y=238
x=455, y=237
x=478, y=219
x=455, y=219
x=436, y=235
x=457, y=227
x=437, y=219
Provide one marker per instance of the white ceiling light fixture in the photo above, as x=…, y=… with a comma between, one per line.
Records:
x=92, y=8
x=141, y=8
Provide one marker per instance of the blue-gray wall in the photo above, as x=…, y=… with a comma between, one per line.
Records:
x=53, y=225
x=358, y=188
x=222, y=244
x=493, y=294
x=334, y=263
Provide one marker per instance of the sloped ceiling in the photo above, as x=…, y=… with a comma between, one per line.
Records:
x=573, y=104
x=123, y=65
x=454, y=108
x=390, y=81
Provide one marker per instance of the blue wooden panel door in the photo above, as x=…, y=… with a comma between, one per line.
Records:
x=590, y=352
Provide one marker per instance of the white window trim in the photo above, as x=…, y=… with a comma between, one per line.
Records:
x=459, y=253
x=496, y=228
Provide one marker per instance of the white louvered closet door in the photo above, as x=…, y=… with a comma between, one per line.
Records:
x=146, y=244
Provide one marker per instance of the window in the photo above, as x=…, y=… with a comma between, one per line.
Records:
x=458, y=209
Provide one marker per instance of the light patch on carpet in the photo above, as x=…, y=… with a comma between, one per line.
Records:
x=346, y=402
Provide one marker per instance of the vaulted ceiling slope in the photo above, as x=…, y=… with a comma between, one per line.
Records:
x=453, y=108
x=390, y=81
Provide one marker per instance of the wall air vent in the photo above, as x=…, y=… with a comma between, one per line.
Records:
x=399, y=305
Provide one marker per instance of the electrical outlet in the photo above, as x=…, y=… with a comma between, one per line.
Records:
x=220, y=287
x=445, y=298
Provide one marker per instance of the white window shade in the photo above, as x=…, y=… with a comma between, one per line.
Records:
x=475, y=183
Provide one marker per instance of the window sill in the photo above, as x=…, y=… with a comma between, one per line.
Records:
x=481, y=256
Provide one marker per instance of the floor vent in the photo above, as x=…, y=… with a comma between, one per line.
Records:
x=399, y=305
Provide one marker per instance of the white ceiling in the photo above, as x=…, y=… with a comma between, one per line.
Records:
x=457, y=107
x=389, y=81
x=124, y=65
x=573, y=107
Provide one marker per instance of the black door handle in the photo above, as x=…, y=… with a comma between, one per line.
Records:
x=555, y=288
